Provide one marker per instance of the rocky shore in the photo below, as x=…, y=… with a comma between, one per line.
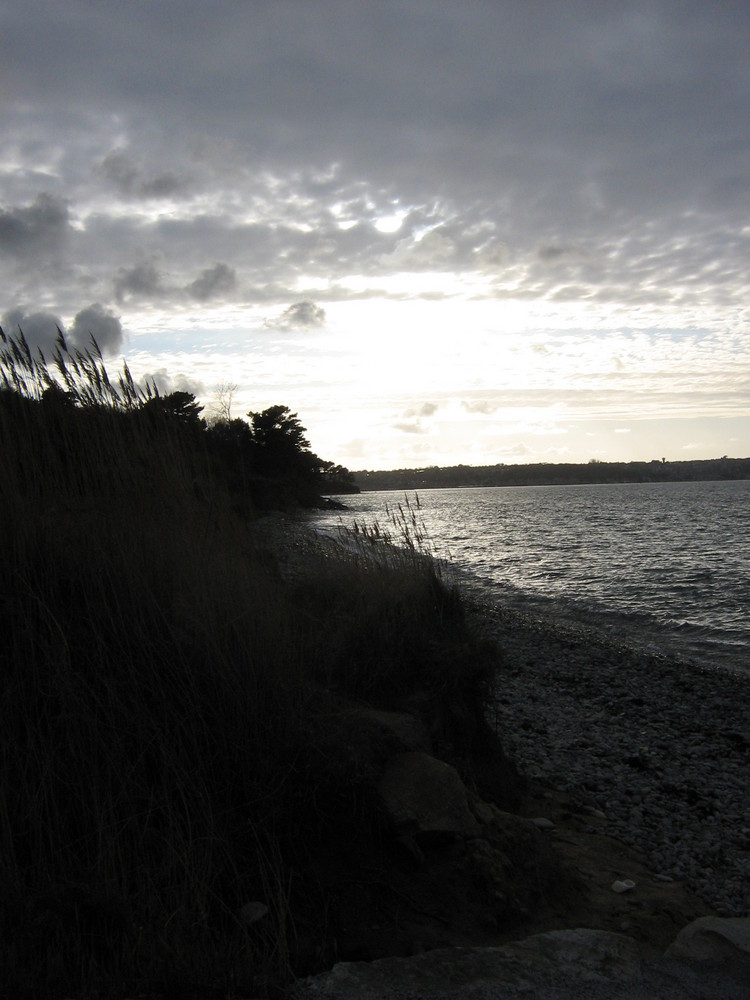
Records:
x=655, y=750
x=634, y=823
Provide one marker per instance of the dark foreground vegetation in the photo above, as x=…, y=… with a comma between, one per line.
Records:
x=179, y=765
x=555, y=474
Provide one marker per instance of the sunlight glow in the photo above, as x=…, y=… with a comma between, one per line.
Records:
x=390, y=223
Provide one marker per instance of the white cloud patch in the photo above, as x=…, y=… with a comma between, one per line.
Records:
x=482, y=406
x=433, y=251
x=167, y=382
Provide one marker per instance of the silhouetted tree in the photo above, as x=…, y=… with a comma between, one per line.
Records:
x=337, y=479
x=180, y=405
x=232, y=451
x=281, y=444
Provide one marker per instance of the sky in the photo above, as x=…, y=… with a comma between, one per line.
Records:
x=440, y=232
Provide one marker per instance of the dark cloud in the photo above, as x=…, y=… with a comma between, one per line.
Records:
x=505, y=136
x=305, y=315
x=130, y=181
x=213, y=282
x=142, y=281
x=39, y=328
x=97, y=322
x=552, y=252
x=34, y=227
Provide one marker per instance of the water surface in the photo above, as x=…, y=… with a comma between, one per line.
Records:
x=662, y=565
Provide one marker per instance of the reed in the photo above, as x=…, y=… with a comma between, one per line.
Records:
x=162, y=689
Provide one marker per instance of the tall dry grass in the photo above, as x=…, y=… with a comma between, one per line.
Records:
x=166, y=710
x=150, y=699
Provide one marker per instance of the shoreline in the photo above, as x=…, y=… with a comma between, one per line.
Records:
x=657, y=748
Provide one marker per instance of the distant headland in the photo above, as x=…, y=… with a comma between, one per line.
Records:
x=555, y=474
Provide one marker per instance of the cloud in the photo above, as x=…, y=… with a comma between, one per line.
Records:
x=410, y=427
x=554, y=251
x=621, y=132
x=131, y=182
x=305, y=315
x=213, y=282
x=100, y=323
x=39, y=328
x=587, y=163
x=413, y=421
x=41, y=225
x=433, y=251
x=167, y=382
x=482, y=406
x=141, y=281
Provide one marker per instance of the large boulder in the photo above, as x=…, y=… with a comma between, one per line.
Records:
x=400, y=729
x=564, y=961
x=574, y=964
x=424, y=798
x=714, y=939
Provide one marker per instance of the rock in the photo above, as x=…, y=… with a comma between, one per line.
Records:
x=425, y=797
x=405, y=730
x=542, y=823
x=536, y=965
x=713, y=939
x=623, y=885
x=592, y=954
x=576, y=964
x=485, y=812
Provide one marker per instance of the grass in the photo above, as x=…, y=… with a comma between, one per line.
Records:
x=170, y=706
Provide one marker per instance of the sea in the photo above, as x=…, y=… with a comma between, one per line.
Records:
x=662, y=567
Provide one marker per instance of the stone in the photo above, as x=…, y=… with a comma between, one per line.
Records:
x=425, y=797
x=534, y=967
x=713, y=939
x=542, y=823
x=406, y=731
x=623, y=885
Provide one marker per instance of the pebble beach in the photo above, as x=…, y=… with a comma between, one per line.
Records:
x=658, y=748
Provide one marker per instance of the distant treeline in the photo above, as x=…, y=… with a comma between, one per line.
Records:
x=555, y=474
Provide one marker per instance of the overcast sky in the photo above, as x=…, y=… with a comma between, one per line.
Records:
x=439, y=231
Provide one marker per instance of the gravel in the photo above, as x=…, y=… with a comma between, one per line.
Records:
x=660, y=747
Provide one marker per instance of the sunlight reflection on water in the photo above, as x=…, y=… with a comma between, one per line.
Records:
x=660, y=563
